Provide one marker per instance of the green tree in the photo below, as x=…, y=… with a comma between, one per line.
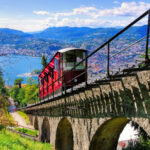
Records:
x=31, y=81
x=21, y=95
x=4, y=92
x=36, y=71
x=18, y=82
x=14, y=93
x=44, y=61
x=30, y=93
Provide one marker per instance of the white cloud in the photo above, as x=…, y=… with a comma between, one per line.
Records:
x=93, y=17
x=82, y=16
x=115, y=2
x=23, y=24
x=41, y=12
x=125, y=9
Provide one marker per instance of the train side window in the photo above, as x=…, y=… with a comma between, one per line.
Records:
x=56, y=64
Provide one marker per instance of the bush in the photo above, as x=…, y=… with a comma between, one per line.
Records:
x=27, y=131
x=139, y=145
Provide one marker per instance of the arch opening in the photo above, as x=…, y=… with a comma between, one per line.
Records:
x=107, y=136
x=130, y=136
x=64, y=135
x=45, y=137
x=36, y=124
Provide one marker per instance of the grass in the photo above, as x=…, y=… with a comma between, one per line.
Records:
x=27, y=131
x=24, y=116
x=13, y=141
x=5, y=117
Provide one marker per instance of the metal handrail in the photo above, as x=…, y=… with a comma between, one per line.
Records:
x=101, y=62
x=107, y=43
x=129, y=46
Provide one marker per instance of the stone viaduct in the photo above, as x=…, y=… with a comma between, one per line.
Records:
x=93, y=117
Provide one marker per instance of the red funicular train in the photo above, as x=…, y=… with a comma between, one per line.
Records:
x=61, y=64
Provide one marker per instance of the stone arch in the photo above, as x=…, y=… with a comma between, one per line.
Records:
x=45, y=135
x=107, y=135
x=64, y=135
x=36, y=123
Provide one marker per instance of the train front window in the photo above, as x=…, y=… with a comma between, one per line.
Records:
x=80, y=55
x=69, y=60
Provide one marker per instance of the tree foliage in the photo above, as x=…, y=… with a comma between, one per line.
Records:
x=31, y=81
x=27, y=94
x=18, y=82
x=138, y=145
x=4, y=93
x=44, y=61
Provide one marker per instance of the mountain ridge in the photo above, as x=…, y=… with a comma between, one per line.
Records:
x=55, y=38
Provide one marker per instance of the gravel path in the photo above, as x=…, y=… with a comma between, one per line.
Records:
x=20, y=120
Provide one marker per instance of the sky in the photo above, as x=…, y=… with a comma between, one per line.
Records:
x=37, y=15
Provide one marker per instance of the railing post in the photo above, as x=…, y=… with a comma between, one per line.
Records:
x=147, y=40
x=47, y=83
x=65, y=83
x=37, y=97
x=62, y=85
x=71, y=82
x=108, y=60
x=86, y=66
x=53, y=87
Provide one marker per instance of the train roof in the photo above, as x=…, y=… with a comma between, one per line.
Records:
x=70, y=49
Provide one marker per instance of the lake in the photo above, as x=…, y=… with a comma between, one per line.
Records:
x=14, y=66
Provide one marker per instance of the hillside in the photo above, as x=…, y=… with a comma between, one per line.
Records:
x=74, y=34
x=55, y=38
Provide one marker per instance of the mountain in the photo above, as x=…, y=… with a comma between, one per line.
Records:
x=18, y=42
x=76, y=34
x=11, y=31
x=10, y=36
x=55, y=38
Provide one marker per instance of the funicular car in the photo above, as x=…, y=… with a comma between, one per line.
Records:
x=51, y=80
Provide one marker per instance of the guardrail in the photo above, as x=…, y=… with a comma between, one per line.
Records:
x=107, y=60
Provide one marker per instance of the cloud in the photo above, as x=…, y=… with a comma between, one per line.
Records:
x=93, y=17
x=125, y=9
x=26, y=25
x=115, y=2
x=41, y=12
x=79, y=17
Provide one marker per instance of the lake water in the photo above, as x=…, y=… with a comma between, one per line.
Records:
x=14, y=66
